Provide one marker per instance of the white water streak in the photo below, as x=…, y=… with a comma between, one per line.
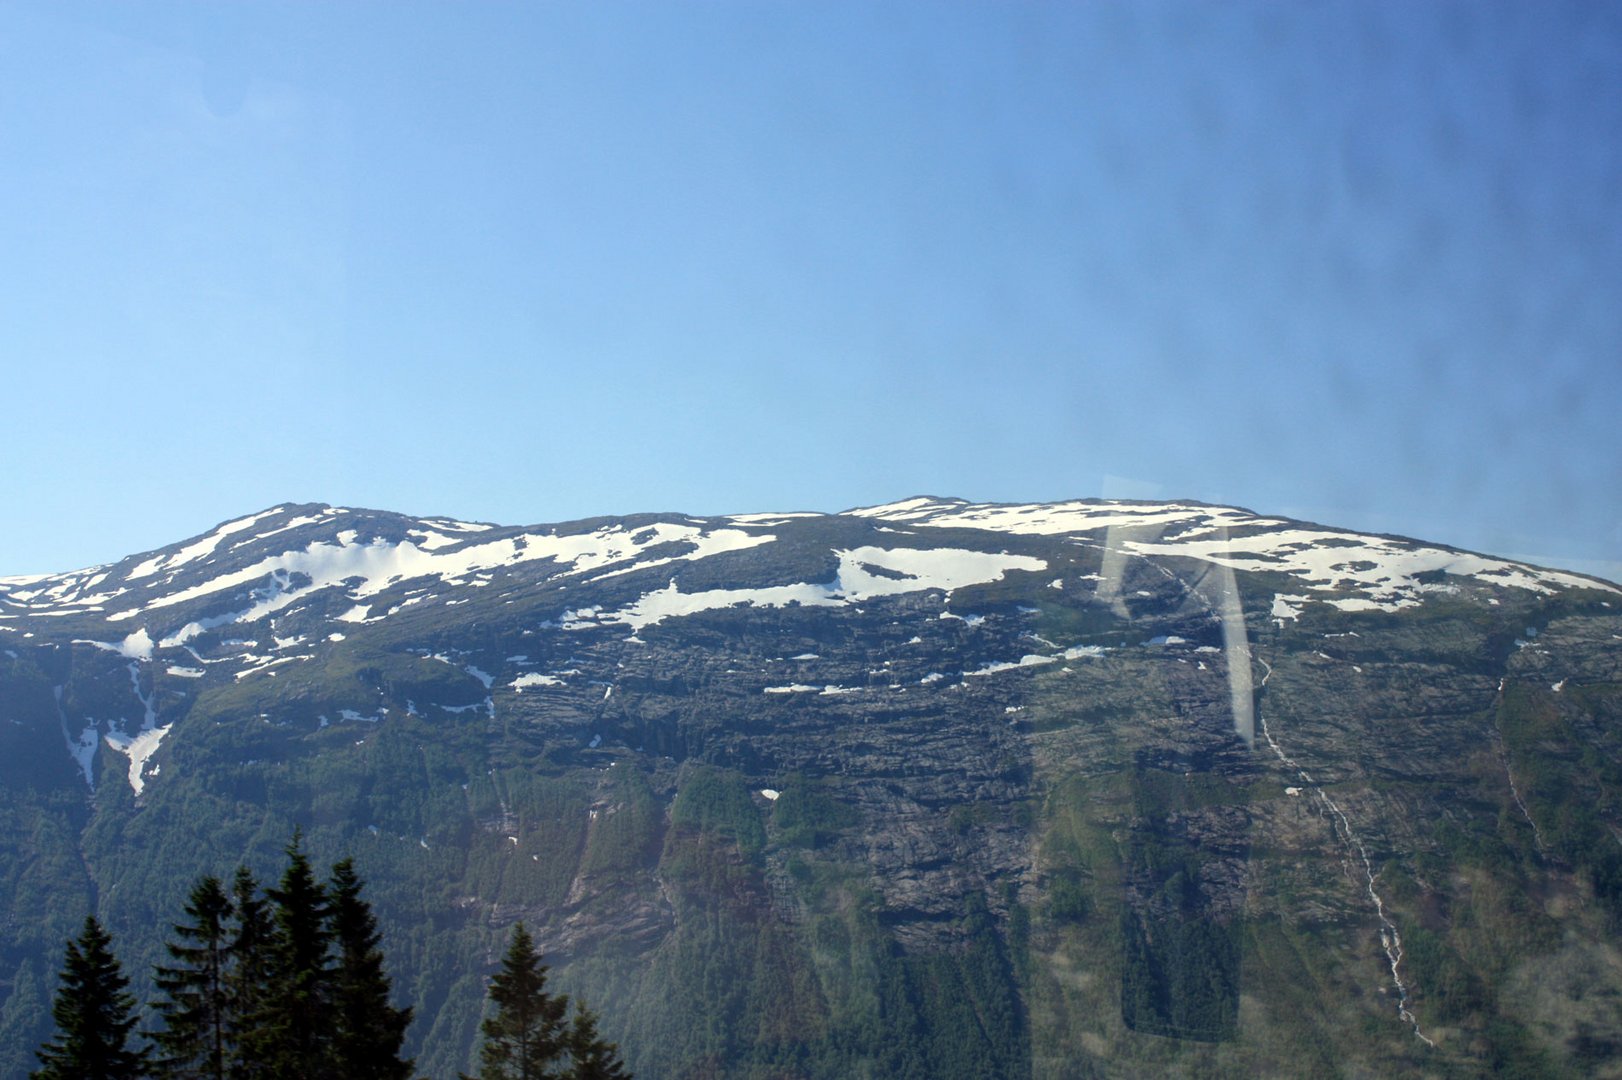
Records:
x=1537, y=834
x=1503, y=758
x=1390, y=939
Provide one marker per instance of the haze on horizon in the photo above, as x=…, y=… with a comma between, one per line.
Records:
x=1352, y=262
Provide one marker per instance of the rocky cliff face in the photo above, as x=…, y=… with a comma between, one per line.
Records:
x=924, y=789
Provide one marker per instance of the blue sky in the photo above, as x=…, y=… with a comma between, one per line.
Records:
x=1354, y=262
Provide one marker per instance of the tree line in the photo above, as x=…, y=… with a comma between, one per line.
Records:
x=289, y=982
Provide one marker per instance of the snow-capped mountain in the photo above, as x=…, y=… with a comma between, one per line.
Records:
x=348, y=567
x=1074, y=727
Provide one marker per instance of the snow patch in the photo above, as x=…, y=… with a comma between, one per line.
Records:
x=137, y=646
x=139, y=749
x=772, y=519
x=1031, y=660
x=366, y=569
x=864, y=573
x=532, y=678
x=1056, y=519
x=1382, y=572
x=262, y=663
x=83, y=748
x=1287, y=607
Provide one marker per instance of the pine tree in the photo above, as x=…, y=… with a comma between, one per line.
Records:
x=366, y=1044
x=298, y=1020
x=196, y=1005
x=527, y=1036
x=94, y=1014
x=593, y=1058
x=247, y=981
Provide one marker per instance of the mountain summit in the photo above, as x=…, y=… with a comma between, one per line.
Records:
x=931, y=788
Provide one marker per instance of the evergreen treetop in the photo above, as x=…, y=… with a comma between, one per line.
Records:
x=527, y=1036
x=195, y=1003
x=366, y=1044
x=593, y=1058
x=94, y=1014
x=247, y=981
x=297, y=1013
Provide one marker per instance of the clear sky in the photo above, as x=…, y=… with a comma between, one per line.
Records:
x=1355, y=262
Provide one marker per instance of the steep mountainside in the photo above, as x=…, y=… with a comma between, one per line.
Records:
x=919, y=790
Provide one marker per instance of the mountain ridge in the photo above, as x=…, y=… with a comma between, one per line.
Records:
x=962, y=747
x=939, y=500
x=919, y=510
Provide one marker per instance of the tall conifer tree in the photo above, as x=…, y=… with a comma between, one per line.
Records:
x=94, y=1014
x=248, y=981
x=366, y=1044
x=593, y=1058
x=298, y=1012
x=527, y=1036
x=195, y=1005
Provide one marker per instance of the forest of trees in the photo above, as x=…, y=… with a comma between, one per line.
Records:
x=288, y=982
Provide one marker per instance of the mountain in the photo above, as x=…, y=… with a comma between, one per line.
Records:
x=921, y=790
